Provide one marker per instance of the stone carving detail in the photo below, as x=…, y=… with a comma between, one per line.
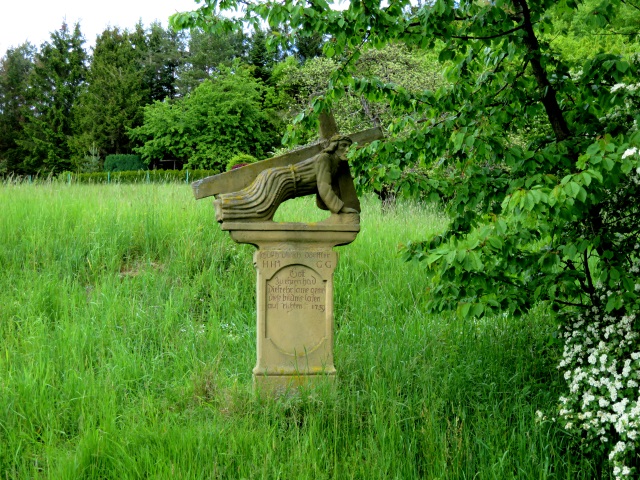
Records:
x=326, y=174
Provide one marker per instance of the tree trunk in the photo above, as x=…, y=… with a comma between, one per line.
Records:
x=549, y=99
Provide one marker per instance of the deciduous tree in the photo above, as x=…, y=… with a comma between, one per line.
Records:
x=537, y=159
x=222, y=117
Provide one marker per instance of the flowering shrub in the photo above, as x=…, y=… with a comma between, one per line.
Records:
x=601, y=356
x=571, y=240
x=601, y=363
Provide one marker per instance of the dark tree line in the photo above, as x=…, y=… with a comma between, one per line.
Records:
x=64, y=107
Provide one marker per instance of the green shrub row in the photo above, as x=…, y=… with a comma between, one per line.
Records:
x=123, y=163
x=140, y=176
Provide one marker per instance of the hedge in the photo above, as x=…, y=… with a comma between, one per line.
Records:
x=123, y=163
x=141, y=176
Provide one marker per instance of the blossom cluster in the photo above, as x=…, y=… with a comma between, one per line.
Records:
x=623, y=86
x=601, y=364
x=627, y=111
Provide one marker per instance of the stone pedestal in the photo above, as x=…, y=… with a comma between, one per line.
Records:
x=295, y=264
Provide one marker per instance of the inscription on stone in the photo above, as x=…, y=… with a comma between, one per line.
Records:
x=275, y=258
x=296, y=305
x=296, y=290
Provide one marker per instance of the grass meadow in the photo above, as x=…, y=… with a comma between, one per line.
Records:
x=127, y=339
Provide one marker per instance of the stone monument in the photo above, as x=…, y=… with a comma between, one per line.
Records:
x=294, y=261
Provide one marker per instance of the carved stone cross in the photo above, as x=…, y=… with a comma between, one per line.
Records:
x=250, y=194
x=294, y=261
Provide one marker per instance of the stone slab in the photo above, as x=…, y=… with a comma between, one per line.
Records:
x=294, y=235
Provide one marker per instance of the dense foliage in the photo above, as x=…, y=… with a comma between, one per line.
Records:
x=123, y=163
x=15, y=69
x=240, y=160
x=222, y=117
x=54, y=85
x=110, y=102
x=534, y=152
x=301, y=84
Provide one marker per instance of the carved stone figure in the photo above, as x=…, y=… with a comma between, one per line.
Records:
x=295, y=261
x=326, y=174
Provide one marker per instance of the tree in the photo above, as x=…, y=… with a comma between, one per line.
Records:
x=393, y=64
x=206, y=53
x=262, y=56
x=15, y=68
x=537, y=158
x=112, y=100
x=54, y=85
x=308, y=46
x=221, y=118
x=579, y=34
x=160, y=56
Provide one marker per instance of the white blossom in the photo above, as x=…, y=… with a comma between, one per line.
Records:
x=629, y=151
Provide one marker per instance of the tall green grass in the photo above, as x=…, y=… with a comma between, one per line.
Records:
x=127, y=339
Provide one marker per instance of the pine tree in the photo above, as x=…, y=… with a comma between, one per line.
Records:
x=161, y=54
x=15, y=68
x=55, y=84
x=113, y=98
x=207, y=52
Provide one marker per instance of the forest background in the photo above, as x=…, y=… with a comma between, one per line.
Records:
x=190, y=97
x=176, y=96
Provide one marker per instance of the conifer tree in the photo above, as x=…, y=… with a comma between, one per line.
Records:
x=15, y=68
x=113, y=98
x=54, y=84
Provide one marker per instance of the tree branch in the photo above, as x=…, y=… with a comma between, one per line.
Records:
x=549, y=100
x=591, y=291
x=489, y=37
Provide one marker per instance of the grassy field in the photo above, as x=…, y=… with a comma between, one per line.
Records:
x=127, y=339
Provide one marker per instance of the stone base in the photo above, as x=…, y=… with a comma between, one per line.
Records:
x=295, y=264
x=286, y=383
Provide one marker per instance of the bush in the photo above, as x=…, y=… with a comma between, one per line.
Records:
x=223, y=116
x=123, y=163
x=240, y=160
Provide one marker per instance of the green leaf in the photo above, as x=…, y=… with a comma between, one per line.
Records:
x=582, y=195
x=463, y=310
x=622, y=66
x=495, y=242
x=478, y=309
x=457, y=140
x=572, y=189
x=607, y=163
